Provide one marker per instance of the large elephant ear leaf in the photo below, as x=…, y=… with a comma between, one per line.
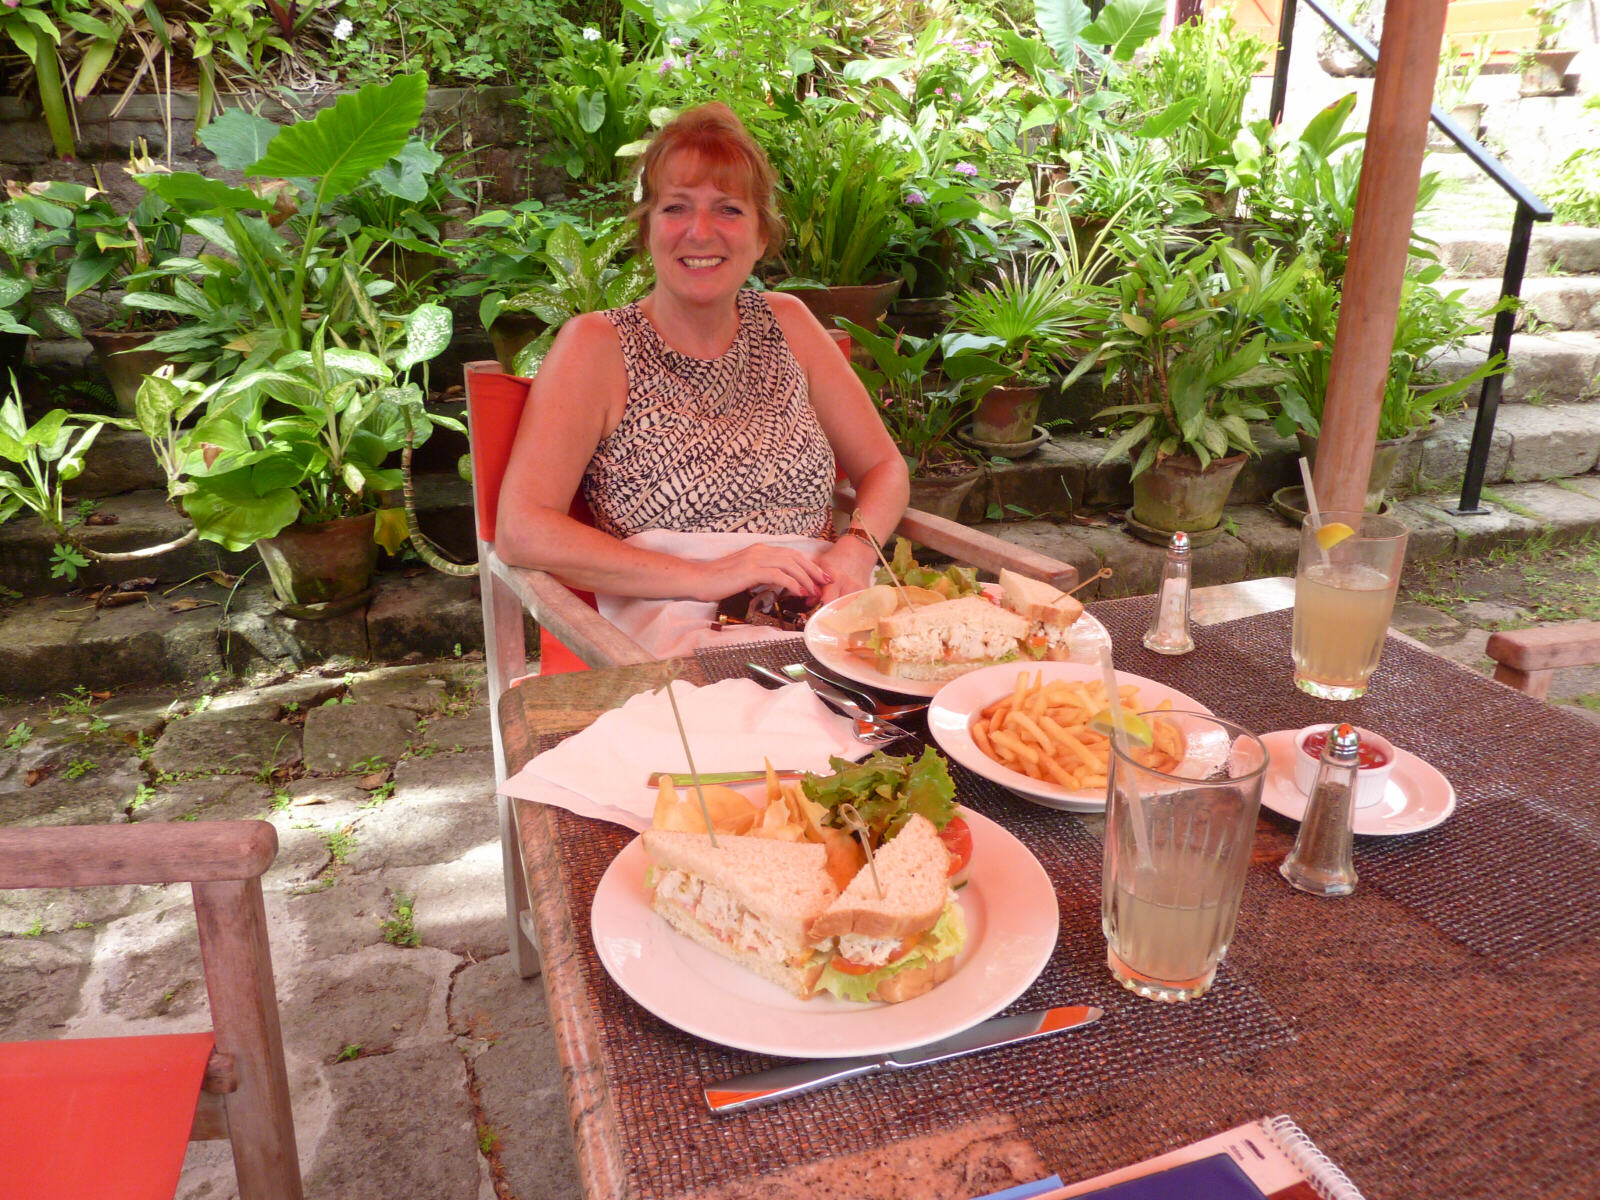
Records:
x=342, y=145
x=1062, y=22
x=1125, y=25
x=238, y=138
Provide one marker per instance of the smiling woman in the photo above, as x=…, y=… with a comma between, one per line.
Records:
x=704, y=424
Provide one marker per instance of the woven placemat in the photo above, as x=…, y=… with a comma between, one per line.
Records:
x=655, y=1072
x=1499, y=875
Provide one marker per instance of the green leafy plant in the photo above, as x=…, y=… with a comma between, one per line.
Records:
x=399, y=928
x=79, y=767
x=921, y=419
x=1190, y=344
x=1017, y=328
x=46, y=454
x=21, y=734
x=595, y=103
x=340, y=842
x=31, y=232
x=348, y=1053
x=580, y=277
x=1573, y=189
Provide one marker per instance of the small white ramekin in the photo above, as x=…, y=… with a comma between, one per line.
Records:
x=1371, y=782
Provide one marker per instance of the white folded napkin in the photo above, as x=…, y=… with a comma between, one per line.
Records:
x=732, y=726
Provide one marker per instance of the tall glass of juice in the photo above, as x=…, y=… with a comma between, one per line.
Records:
x=1180, y=824
x=1343, y=596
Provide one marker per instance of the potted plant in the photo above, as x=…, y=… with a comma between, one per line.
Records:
x=1544, y=68
x=840, y=194
x=291, y=458
x=1190, y=343
x=1458, y=71
x=1428, y=323
x=1006, y=341
x=578, y=276
x=922, y=419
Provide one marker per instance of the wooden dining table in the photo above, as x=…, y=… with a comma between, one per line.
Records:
x=1436, y=1034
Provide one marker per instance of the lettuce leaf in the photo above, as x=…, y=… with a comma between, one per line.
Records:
x=948, y=935
x=886, y=788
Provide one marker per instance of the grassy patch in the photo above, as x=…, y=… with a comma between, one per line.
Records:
x=399, y=928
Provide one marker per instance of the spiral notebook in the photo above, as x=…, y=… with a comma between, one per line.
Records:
x=1270, y=1159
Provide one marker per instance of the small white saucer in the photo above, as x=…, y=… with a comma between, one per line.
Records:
x=1418, y=796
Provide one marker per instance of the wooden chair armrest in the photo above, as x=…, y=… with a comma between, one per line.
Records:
x=1573, y=645
x=589, y=635
x=84, y=855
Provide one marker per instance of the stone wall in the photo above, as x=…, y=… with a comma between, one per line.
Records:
x=485, y=121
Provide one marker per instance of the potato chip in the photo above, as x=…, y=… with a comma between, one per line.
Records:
x=731, y=811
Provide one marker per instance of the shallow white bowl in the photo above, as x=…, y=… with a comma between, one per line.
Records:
x=1370, y=781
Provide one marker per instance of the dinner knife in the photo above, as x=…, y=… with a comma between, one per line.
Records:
x=870, y=728
x=779, y=1083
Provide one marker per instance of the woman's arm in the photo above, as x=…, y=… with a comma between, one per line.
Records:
x=861, y=444
x=577, y=398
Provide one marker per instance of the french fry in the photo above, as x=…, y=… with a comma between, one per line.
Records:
x=1025, y=753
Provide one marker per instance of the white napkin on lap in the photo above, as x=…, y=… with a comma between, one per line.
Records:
x=732, y=726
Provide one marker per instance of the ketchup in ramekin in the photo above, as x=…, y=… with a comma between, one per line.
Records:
x=1370, y=757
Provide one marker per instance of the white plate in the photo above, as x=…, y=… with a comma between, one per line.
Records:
x=1010, y=908
x=951, y=713
x=1418, y=796
x=829, y=649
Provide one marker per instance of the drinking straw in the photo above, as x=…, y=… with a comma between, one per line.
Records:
x=1119, y=734
x=1311, y=505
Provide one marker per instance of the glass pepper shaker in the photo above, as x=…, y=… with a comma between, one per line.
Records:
x=1320, y=862
x=1169, y=628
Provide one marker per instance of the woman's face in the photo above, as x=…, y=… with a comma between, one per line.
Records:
x=704, y=238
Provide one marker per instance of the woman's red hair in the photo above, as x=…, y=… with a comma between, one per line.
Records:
x=726, y=152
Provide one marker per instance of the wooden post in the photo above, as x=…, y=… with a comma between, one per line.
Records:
x=1385, y=201
x=232, y=923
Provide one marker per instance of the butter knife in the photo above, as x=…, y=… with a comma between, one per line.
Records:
x=779, y=1083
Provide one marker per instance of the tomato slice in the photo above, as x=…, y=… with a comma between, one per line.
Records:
x=957, y=838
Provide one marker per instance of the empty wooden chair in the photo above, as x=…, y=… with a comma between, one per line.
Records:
x=1525, y=659
x=108, y=1118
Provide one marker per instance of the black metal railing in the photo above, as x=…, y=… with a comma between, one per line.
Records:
x=1529, y=209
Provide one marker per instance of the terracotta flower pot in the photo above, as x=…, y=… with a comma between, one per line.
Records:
x=1006, y=415
x=942, y=495
x=863, y=303
x=1177, y=493
x=1385, y=457
x=314, y=566
x=124, y=362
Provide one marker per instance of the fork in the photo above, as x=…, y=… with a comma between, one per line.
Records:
x=805, y=672
x=871, y=730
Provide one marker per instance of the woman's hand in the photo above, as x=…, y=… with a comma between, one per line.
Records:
x=850, y=562
x=761, y=566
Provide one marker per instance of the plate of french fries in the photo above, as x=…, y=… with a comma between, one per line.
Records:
x=1028, y=727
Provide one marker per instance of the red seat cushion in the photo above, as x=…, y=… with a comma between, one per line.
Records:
x=98, y=1118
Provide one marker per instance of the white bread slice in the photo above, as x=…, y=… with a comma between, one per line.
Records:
x=786, y=884
x=941, y=641
x=913, y=981
x=972, y=611
x=800, y=980
x=1038, y=601
x=914, y=870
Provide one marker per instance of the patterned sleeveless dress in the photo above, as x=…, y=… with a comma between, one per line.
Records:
x=723, y=445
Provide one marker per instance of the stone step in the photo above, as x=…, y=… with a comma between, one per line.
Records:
x=144, y=518
x=1553, y=250
x=1530, y=442
x=52, y=644
x=1260, y=542
x=1550, y=368
x=1549, y=302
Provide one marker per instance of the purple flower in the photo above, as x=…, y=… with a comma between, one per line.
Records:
x=915, y=197
x=964, y=168
x=938, y=91
x=666, y=66
x=675, y=41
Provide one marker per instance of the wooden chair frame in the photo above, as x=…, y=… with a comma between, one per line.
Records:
x=245, y=1094
x=508, y=592
x=1525, y=659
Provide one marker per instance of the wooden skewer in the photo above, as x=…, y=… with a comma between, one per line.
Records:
x=1102, y=573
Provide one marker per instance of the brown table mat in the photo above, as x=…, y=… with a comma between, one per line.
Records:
x=655, y=1071
x=1499, y=875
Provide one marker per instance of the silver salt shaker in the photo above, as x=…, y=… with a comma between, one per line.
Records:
x=1169, y=628
x=1320, y=862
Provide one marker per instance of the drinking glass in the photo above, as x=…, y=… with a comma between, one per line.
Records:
x=1343, y=597
x=1178, y=841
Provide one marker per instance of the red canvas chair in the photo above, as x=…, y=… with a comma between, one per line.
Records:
x=572, y=634
x=109, y=1118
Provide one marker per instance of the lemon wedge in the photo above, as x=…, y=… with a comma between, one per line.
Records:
x=1334, y=532
x=1136, y=727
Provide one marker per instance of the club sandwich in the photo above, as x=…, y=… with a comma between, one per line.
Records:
x=1050, y=614
x=944, y=640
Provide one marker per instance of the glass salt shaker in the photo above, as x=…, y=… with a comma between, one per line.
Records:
x=1169, y=628
x=1320, y=862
